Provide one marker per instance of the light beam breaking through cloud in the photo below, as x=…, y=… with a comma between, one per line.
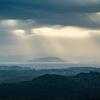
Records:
x=64, y=28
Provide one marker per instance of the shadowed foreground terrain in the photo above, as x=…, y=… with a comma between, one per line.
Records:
x=84, y=86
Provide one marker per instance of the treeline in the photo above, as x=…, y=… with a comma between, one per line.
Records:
x=84, y=86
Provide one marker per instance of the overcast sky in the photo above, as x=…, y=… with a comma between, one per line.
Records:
x=68, y=29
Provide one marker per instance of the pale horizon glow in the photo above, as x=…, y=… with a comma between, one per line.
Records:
x=9, y=23
x=20, y=33
x=70, y=32
x=98, y=13
x=26, y=40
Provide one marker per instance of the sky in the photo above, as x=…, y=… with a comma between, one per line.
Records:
x=68, y=29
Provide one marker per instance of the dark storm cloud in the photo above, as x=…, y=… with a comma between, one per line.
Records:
x=58, y=12
x=51, y=5
x=85, y=20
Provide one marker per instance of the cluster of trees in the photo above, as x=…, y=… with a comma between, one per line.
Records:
x=84, y=86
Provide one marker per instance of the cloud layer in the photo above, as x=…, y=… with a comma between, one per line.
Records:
x=81, y=13
x=64, y=28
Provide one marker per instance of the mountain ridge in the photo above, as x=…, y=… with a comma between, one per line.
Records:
x=47, y=59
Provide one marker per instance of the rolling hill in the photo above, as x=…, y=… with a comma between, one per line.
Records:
x=84, y=86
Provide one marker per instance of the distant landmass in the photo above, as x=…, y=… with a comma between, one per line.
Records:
x=14, y=67
x=10, y=74
x=47, y=59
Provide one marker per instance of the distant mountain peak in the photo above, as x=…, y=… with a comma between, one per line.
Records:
x=47, y=59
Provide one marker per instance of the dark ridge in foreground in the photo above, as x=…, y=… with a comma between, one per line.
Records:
x=84, y=86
